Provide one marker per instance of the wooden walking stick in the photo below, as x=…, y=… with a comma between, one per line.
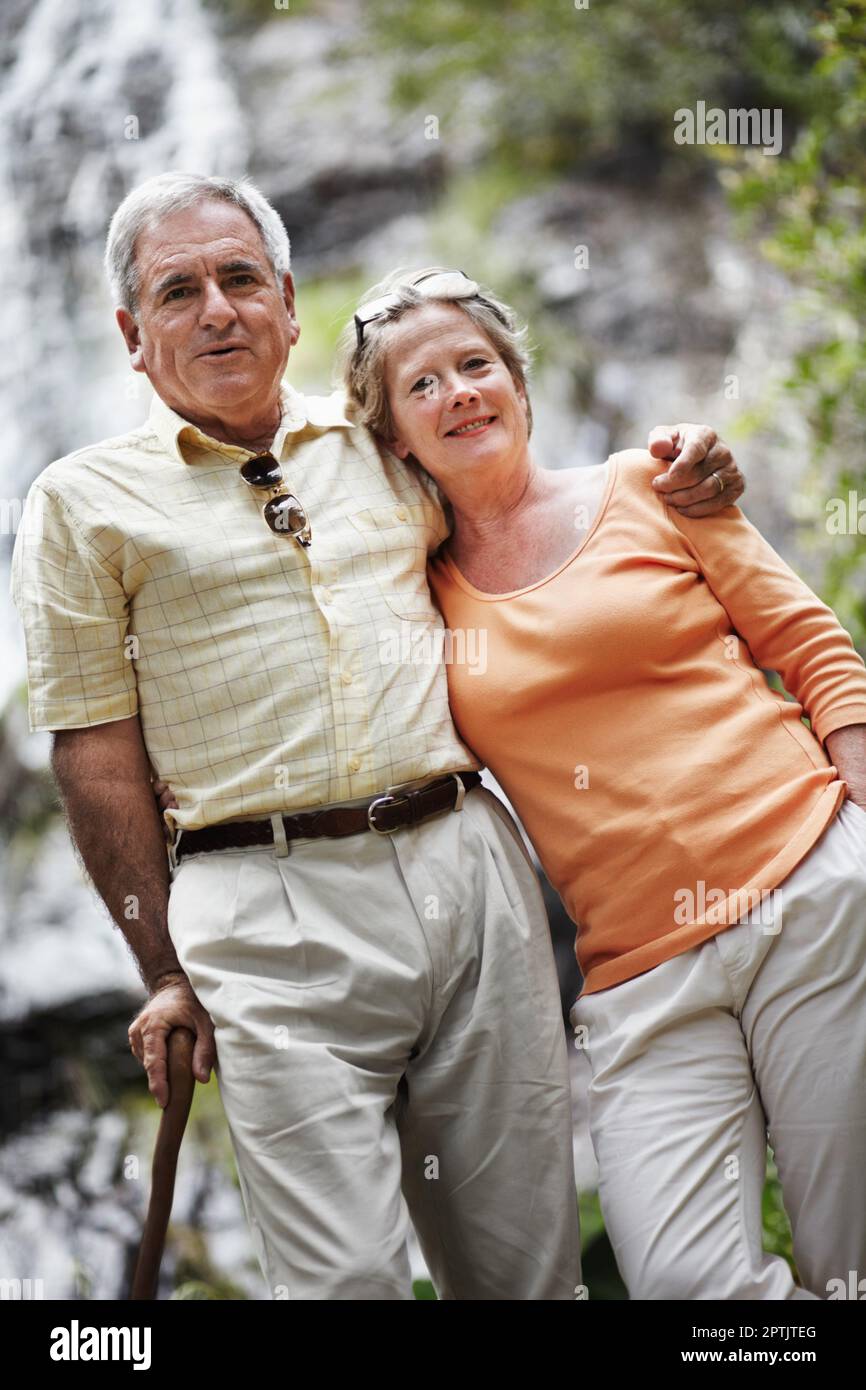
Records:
x=171, y=1127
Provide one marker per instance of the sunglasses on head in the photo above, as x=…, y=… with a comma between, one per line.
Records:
x=437, y=284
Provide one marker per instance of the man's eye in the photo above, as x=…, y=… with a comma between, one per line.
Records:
x=236, y=279
x=179, y=289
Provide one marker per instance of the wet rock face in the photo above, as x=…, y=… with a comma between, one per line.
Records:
x=73, y=1196
x=338, y=163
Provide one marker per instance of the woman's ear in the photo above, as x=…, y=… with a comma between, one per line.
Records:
x=523, y=397
x=399, y=448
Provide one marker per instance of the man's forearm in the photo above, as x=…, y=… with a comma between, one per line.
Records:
x=116, y=829
x=847, y=748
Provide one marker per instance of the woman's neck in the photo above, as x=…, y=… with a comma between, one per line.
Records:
x=485, y=508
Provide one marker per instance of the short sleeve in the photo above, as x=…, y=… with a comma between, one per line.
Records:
x=75, y=614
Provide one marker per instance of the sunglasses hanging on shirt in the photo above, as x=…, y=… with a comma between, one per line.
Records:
x=283, y=512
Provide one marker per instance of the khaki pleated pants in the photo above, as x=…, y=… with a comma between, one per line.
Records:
x=759, y=1031
x=389, y=1032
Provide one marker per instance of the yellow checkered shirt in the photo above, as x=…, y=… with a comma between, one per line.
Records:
x=266, y=677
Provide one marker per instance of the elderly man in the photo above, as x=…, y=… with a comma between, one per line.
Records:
x=349, y=923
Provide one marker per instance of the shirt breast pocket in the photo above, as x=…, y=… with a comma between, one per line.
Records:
x=395, y=538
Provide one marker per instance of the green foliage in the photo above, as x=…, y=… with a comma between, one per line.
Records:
x=777, y=1228
x=200, y=1291
x=598, y=1262
x=811, y=205
x=560, y=86
x=325, y=307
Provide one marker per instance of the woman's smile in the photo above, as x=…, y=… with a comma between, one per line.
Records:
x=478, y=425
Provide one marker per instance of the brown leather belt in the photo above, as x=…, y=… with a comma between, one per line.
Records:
x=384, y=814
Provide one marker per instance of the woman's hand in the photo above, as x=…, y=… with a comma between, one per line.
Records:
x=696, y=453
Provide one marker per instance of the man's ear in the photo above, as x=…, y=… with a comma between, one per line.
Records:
x=131, y=336
x=289, y=300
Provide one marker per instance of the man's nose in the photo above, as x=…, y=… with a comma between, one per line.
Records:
x=217, y=311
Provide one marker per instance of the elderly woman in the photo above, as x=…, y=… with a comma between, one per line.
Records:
x=709, y=844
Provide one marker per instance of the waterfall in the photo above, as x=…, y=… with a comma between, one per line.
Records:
x=97, y=95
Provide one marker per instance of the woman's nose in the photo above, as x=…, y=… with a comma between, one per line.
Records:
x=463, y=393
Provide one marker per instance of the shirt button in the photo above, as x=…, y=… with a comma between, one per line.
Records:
x=326, y=596
x=347, y=678
x=354, y=764
x=401, y=514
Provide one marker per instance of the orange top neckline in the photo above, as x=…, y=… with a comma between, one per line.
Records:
x=484, y=597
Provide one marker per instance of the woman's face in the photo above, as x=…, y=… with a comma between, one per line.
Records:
x=454, y=403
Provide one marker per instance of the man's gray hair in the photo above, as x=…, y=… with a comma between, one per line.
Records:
x=167, y=193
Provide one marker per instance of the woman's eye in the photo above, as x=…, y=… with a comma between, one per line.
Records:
x=477, y=362
x=425, y=384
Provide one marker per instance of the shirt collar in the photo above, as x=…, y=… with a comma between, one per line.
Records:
x=298, y=411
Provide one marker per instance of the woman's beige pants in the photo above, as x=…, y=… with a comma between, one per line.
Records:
x=387, y=1013
x=760, y=1031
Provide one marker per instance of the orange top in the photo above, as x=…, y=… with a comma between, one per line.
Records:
x=621, y=704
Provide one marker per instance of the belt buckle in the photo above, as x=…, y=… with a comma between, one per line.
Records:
x=381, y=801
x=389, y=799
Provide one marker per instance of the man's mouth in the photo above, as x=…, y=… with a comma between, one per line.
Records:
x=473, y=426
x=223, y=351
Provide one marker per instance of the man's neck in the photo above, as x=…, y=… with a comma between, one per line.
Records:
x=255, y=433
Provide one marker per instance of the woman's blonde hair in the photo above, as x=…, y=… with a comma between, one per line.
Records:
x=363, y=368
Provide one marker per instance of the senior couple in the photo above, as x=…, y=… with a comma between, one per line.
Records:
x=348, y=921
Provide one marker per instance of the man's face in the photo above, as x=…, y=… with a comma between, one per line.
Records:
x=213, y=330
